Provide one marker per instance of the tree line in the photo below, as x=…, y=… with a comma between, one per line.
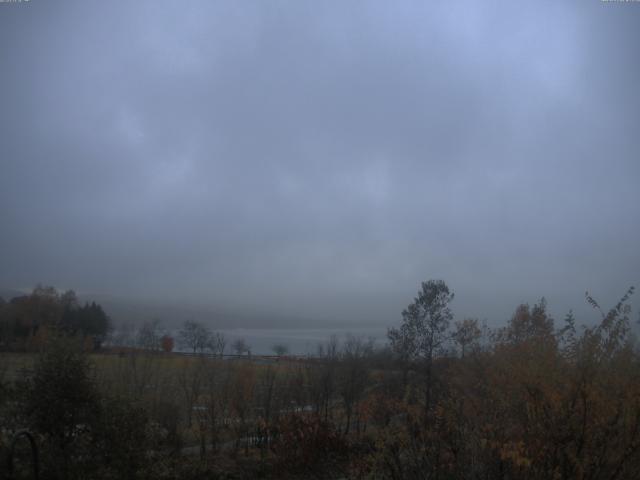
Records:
x=444, y=399
x=26, y=321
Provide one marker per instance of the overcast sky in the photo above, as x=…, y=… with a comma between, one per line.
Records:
x=320, y=159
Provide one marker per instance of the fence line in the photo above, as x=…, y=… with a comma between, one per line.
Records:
x=229, y=356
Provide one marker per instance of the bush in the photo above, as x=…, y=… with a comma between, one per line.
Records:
x=303, y=443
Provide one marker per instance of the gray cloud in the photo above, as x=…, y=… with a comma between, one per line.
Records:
x=321, y=159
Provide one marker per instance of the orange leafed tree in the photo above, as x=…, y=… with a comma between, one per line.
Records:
x=167, y=343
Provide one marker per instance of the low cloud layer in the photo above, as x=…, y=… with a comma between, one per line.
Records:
x=319, y=159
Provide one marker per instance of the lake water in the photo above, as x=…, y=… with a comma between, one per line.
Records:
x=298, y=341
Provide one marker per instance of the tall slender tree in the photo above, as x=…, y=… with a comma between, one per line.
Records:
x=423, y=331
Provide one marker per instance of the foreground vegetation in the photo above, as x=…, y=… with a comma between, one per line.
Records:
x=445, y=400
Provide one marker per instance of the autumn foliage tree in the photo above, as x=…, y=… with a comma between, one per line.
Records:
x=167, y=343
x=26, y=320
x=538, y=402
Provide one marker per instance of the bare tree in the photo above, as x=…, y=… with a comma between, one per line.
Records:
x=240, y=346
x=190, y=377
x=216, y=395
x=124, y=335
x=322, y=377
x=280, y=349
x=354, y=375
x=241, y=401
x=149, y=334
x=268, y=405
x=218, y=343
x=195, y=336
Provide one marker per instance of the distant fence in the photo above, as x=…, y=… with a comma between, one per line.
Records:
x=227, y=356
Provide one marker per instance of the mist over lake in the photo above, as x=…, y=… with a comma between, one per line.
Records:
x=301, y=341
